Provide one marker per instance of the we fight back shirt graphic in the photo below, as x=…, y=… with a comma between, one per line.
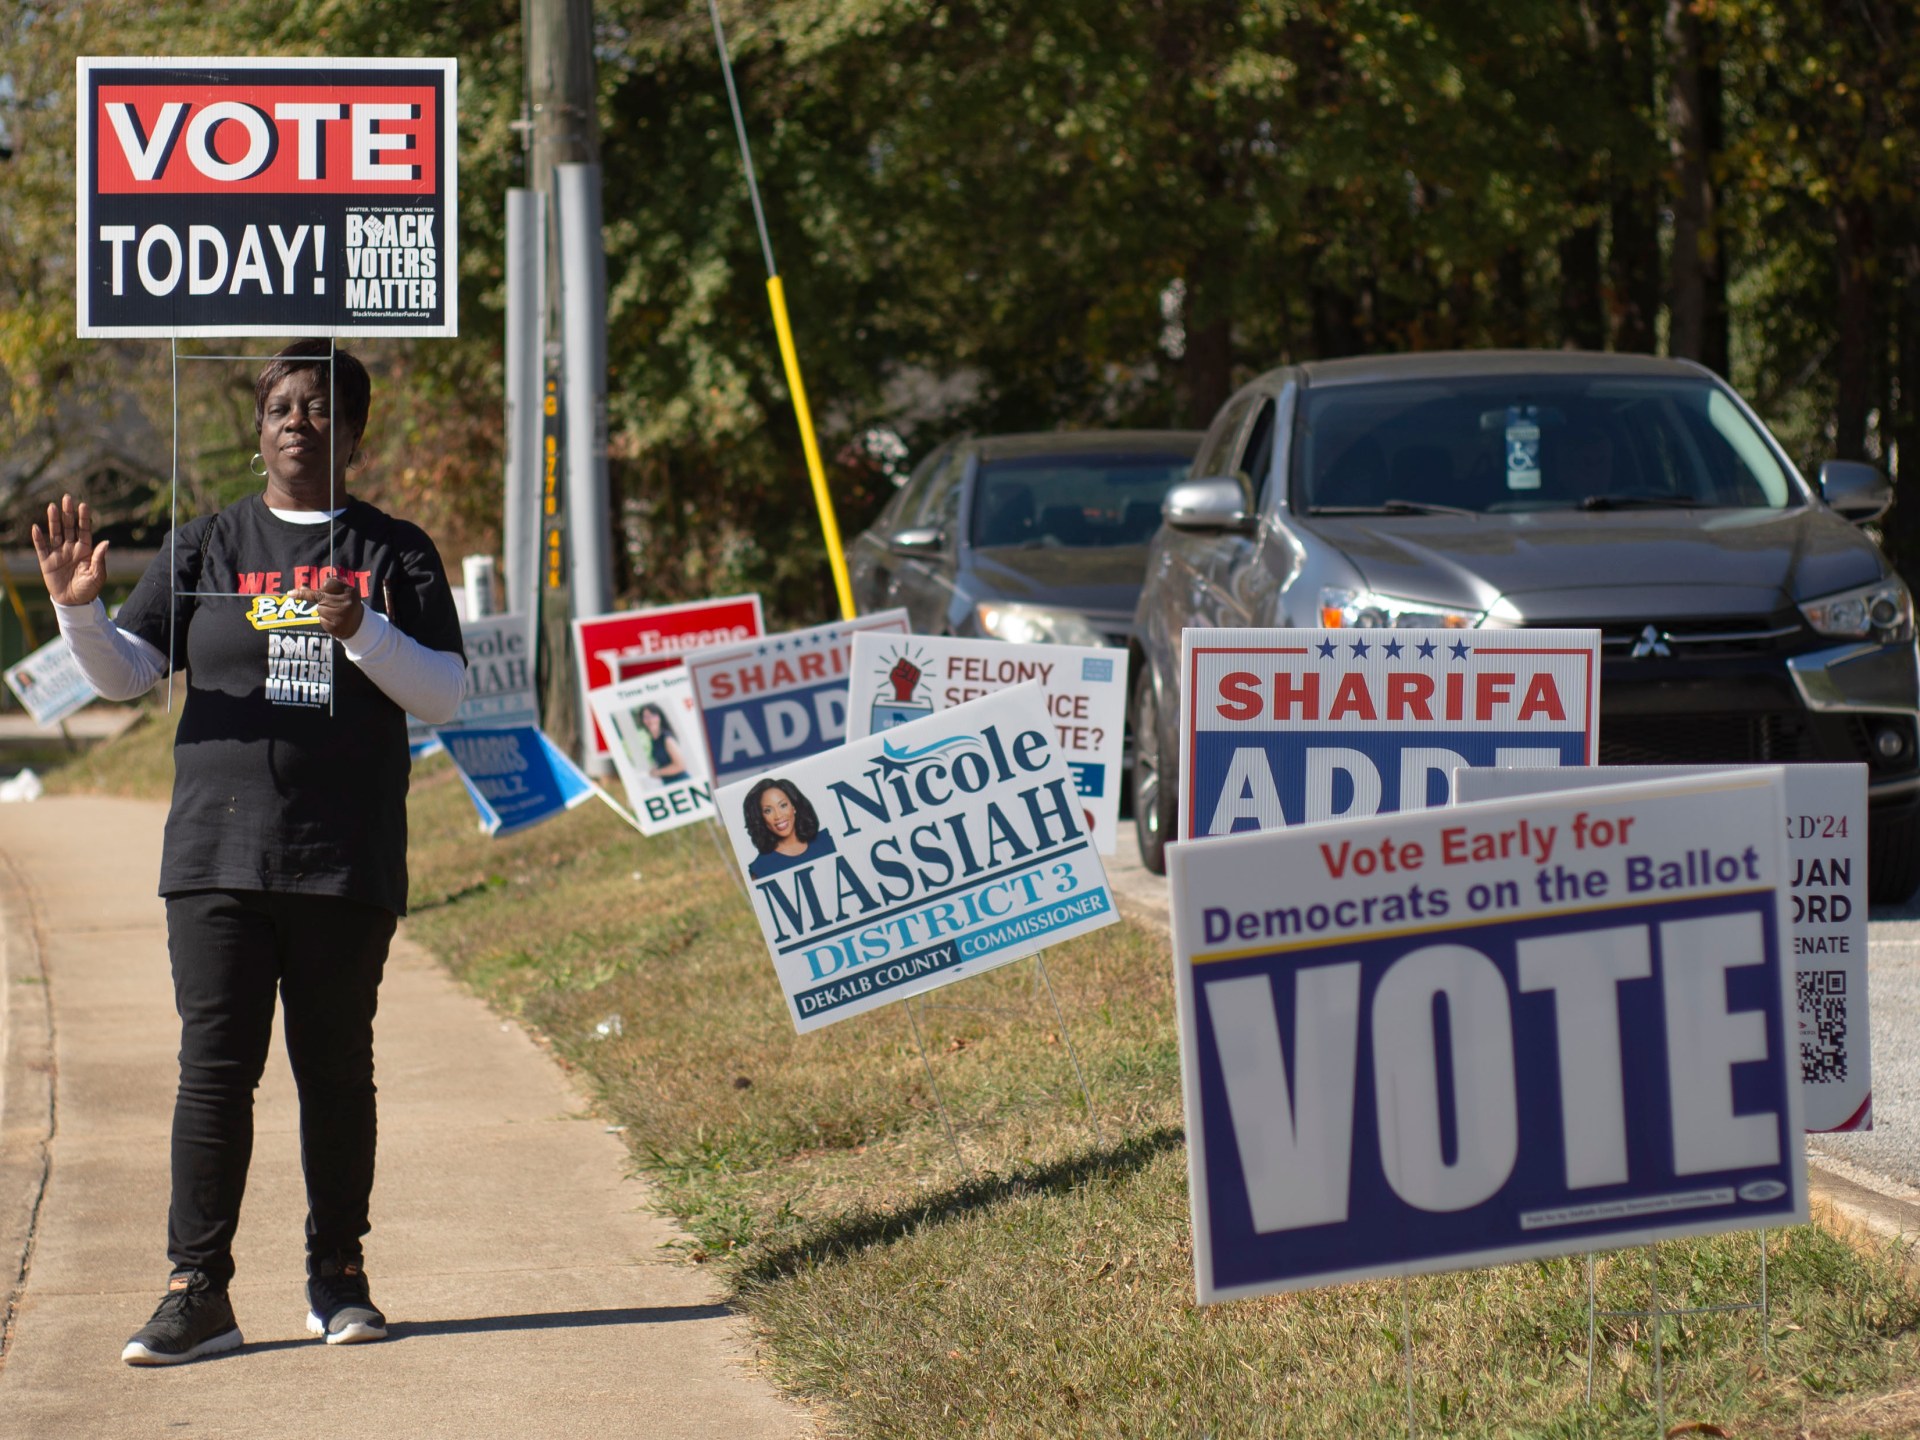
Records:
x=290, y=765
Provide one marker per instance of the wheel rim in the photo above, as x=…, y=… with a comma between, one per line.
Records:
x=1146, y=760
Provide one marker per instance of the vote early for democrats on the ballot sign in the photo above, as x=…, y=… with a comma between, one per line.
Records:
x=890, y=866
x=1464, y=1037
x=1287, y=727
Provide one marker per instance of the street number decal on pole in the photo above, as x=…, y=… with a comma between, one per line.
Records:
x=888, y=867
x=1290, y=727
x=1827, y=880
x=781, y=698
x=1470, y=1036
x=266, y=197
x=898, y=679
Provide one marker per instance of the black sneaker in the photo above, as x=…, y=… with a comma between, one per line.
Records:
x=339, y=1305
x=193, y=1320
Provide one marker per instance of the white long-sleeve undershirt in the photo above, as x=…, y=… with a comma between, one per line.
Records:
x=121, y=666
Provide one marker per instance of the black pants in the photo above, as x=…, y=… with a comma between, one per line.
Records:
x=231, y=951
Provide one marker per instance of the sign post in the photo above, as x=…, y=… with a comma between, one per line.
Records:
x=1464, y=1037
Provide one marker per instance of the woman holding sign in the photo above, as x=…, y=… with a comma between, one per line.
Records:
x=308, y=624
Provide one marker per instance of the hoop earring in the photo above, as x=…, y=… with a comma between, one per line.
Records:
x=259, y=462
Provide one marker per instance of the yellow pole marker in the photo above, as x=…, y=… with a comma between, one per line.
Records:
x=19, y=607
x=829, y=526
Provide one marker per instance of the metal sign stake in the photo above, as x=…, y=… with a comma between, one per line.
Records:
x=946, y=1120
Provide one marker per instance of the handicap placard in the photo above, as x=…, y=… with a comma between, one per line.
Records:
x=1468, y=1036
x=1291, y=727
x=515, y=776
x=890, y=866
x=632, y=643
x=49, y=683
x=1827, y=877
x=897, y=679
x=499, y=684
x=780, y=698
x=658, y=748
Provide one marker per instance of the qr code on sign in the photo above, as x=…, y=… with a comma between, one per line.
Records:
x=1823, y=1026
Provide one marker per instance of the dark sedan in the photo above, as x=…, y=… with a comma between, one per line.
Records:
x=1023, y=538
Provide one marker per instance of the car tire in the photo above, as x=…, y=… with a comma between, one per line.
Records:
x=1893, y=857
x=1153, y=794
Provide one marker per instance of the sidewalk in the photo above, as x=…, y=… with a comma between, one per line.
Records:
x=526, y=1288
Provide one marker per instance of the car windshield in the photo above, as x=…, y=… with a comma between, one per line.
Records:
x=1074, y=501
x=1505, y=443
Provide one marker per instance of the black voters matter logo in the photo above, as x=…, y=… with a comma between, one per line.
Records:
x=299, y=669
x=392, y=262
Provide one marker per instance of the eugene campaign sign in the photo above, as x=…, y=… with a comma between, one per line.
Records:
x=897, y=679
x=1474, y=1035
x=781, y=698
x=632, y=643
x=1289, y=727
x=1826, y=838
x=658, y=748
x=49, y=683
x=266, y=197
x=890, y=866
x=515, y=776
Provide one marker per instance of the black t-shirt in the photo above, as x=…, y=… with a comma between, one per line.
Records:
x=290, y=767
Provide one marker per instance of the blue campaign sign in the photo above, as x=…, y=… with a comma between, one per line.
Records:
x=1291, y=727
x=1466, y=1037
x=779, y=698
x=516, y=776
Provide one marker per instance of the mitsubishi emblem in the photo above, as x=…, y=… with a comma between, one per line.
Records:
x=1651, y=642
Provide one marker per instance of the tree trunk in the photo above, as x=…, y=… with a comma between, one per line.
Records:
x=1633, y=268
x=1582, y=319
x=1902, y=525
x=1857, y=331
x=1698, y=298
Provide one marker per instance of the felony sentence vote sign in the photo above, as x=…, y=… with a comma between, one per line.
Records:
x=266, y=197
x=1826, y=835
x=633, y=643
x=897, y=679
x=1289, y=727
x=1468, y=1036
x=781, y=698
x=891, y=866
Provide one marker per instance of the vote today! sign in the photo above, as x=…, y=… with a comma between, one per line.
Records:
x=781, y=698
x=899, y=679
x=891, y=866
x=1289, y=727
x=515, y=776
x=266, y=197
x=632, y=643
x=1826, y=835
x=1469, y=1036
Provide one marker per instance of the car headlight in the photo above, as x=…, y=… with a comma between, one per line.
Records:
x=1883, y=610
x=1363, y=610
x=1036, y=625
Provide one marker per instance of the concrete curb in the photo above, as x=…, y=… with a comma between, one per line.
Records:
x=27, y=1113
x=1867, y=1219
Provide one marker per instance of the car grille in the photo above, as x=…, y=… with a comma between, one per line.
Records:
x=1707, y=739
x=1699, y=639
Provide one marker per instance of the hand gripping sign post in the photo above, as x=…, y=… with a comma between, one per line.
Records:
x=781, y=698
x=896, y=680
x=1289, y=727
x=633, y=643
x=266, y=197
x=1826, y=836
x=658, y=748
x=1470, y=1036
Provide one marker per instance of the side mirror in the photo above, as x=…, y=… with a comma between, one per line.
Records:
x=1856, y=490
x=1216, y=504
x=927, y=540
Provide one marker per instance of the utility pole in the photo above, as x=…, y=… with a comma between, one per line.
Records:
x=562, y=128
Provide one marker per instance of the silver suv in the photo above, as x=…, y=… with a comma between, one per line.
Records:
x=1746, y=615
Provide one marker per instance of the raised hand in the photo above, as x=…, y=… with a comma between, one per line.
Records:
x=339, y=606
x=74, y=568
